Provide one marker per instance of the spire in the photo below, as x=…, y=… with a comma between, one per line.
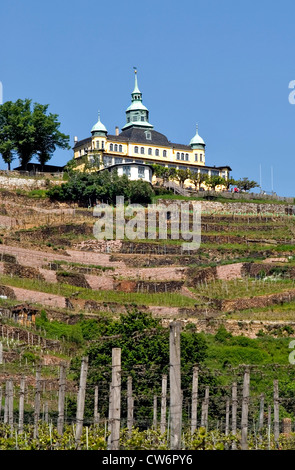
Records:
x=136, y=89
x=137, y=115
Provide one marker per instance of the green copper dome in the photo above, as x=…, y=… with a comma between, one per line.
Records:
x=99, y=127
x=197, y=139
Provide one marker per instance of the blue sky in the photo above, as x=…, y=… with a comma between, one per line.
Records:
x=224, y=64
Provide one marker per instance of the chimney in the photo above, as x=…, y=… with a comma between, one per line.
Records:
x=117, y=130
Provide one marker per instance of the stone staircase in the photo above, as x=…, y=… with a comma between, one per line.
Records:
x=176, y=188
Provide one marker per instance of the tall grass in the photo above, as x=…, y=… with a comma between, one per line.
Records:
x=169, y=299
x=242, y=288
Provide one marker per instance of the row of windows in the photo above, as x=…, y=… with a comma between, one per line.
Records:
x=141, y=150
x=116, y=148
x=119, y=148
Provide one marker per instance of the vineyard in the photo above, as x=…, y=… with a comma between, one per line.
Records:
x=49, y=413
x=88, y=359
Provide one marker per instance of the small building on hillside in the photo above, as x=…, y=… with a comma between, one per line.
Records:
x=134, y=171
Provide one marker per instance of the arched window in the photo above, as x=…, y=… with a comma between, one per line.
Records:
x=120, y=148
x=157, y=152
x=178, y=156
x=164, y=153
x=136, y=149
x=182, y=156
x=186, y=157
x=142, y=150
x=111, y=147
x=196, y=157
x=116, y=148
x=150, y=151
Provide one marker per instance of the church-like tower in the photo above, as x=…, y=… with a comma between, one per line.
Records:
x=137, y=115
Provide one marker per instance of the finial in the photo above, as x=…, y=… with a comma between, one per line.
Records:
x=135, y=70
x=99, y=115
x=197, y=126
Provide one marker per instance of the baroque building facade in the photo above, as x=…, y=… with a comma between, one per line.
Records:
x=138, y=144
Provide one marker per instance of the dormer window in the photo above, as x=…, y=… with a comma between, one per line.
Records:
x=148, y=135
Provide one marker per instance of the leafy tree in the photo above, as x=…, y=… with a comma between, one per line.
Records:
x=46, y=134
x=145, y=356
x=86, y=188
x=182, y=176
x=229, y=182
x=141, y=192
x=25, y=132
x=197, y=179
x=6, y=133
x=214, y=181
x=245, y=184
x=165, y=173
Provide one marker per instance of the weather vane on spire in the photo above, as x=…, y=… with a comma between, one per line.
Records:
x=135, y=69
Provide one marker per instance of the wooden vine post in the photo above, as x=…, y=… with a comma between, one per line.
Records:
x=175, y=387
x=81, y=401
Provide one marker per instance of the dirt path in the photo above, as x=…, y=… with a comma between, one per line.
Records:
x=42, y=298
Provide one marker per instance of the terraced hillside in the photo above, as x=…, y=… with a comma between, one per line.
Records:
x=242, y=276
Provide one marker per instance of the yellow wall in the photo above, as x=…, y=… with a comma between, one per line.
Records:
x=128, y=150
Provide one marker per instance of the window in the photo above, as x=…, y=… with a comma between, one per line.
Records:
x=107, y=161
x=142, y=118
x=148, y=135
x=120, y=148
x=142, y=150
x=186, y=157
x=157, y=152
x=134, y=118
x=164, y=153
x=97, y=144
x=141, y=172
x=201, y=157
x=116, y=148
x=182, y=156
x=128, y=119
x=150, y=151
x=102, y=144
x=127, y=170
x=178, y=156
x=136, y=149
x=196, y=157
x=204, y=171
x=118, y=160
x=111, y=147
x=214, y=173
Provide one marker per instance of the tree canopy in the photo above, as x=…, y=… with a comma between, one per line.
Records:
x=28, y=130
x=86, y=188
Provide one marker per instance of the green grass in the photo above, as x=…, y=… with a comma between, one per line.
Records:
x=162, y=299
x=242, y=288
x=81, y=265
x=217, y=199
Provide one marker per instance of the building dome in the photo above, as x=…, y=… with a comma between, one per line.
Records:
x=98, y=128
x=197, y=140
